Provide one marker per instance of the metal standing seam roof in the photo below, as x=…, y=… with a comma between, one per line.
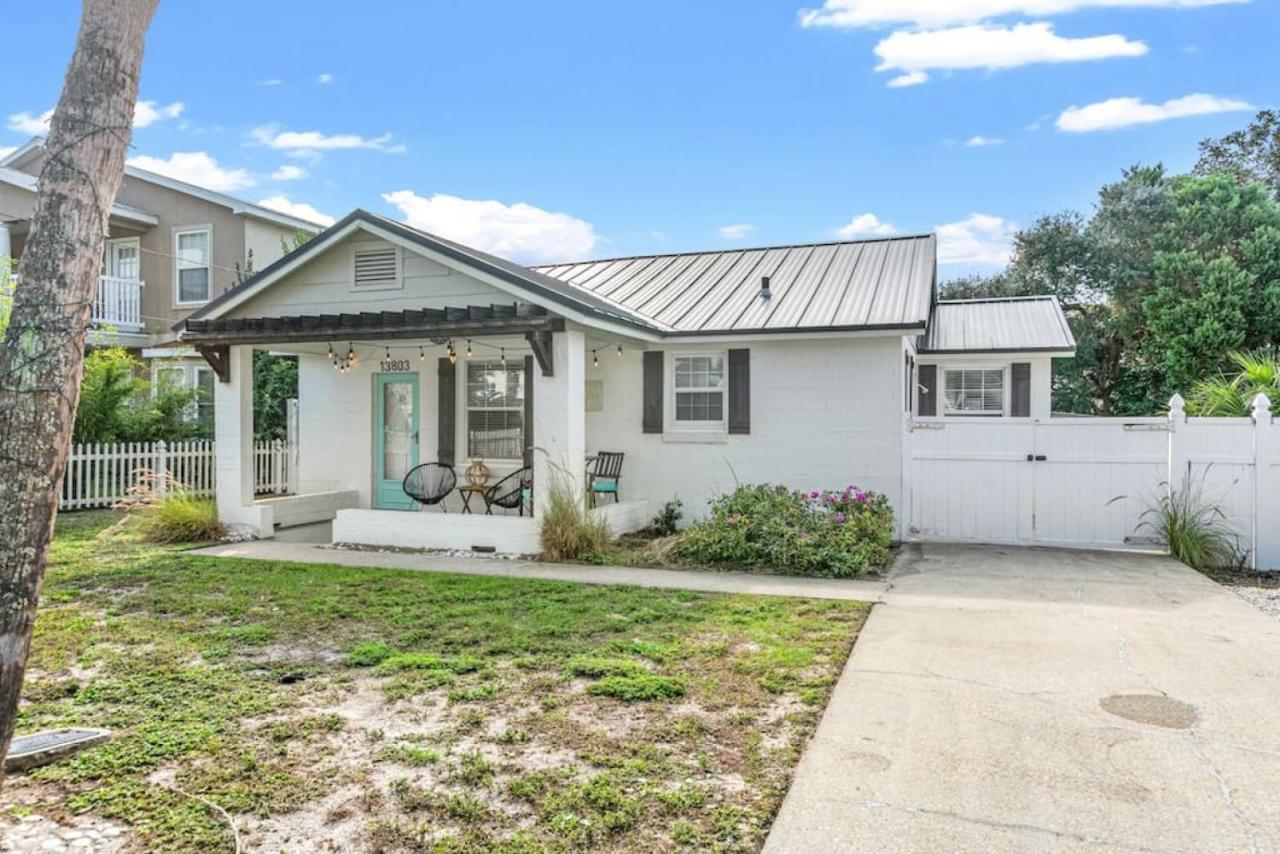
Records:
x=998, y=325
x=881, y=283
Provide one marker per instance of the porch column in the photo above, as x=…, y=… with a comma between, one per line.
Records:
x=233, y=431
x=6, y=245
x=559, y=419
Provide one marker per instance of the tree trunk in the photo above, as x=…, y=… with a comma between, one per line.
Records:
x=43, y=354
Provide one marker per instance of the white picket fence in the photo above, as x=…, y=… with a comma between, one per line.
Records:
x=99, y=475
x=1087, y=482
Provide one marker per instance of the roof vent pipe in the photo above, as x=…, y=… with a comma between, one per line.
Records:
x=765, y=293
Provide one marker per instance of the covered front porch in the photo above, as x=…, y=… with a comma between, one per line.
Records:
x=488, y=397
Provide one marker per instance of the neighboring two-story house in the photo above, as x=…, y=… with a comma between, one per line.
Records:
x=171, y=248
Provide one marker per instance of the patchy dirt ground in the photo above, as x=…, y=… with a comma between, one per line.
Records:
x=325, y=708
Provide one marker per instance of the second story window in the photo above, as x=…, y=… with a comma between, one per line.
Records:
x=191, y=249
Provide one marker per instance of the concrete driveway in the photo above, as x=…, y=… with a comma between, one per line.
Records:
x=1004, y=699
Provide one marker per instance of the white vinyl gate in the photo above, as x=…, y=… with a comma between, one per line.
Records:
x=1086, y=482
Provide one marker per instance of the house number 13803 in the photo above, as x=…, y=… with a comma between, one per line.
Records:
x=395, y=366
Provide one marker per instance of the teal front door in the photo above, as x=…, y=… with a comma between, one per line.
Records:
x=395, y=438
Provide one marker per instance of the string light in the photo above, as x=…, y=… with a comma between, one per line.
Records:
x=503, y=351
x=619, y=351
x=422, y=354
x=468, y=348
x=595, y=360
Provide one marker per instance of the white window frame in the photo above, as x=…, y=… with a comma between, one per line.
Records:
x=675, y=425
x=988, y=366
x=363, y=245
x=196, y=371
x=513, y=364
x=109, y=257
x=177, y=262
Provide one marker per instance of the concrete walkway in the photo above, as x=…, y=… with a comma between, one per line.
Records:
x=294, y=547
x=1040, y=700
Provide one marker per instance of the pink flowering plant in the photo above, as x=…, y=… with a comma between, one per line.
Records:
x=832, y=533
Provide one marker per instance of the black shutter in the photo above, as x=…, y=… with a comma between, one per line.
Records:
x=1020, y=391
x=528, y=410
x=447, y=406
x=927, y=379
x=653, y=391
x=739, y=391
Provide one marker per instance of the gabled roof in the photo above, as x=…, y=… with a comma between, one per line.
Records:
x=1027, y=324
x=529, y=281
x=17, y=178
x=883, y=283
x=237, y=206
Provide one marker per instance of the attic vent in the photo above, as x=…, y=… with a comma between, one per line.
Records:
x=376, y=268
x=765, y=293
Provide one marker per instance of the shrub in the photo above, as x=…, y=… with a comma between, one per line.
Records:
x=831, y=534
x=1195, y=531
x=569, y=531
x=664, y=524
x=181, y=518
x=368, y=653
x=642, y=687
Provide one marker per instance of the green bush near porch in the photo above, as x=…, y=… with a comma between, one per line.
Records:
x=821, y=533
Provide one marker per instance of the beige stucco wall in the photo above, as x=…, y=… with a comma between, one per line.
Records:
x=233, y=235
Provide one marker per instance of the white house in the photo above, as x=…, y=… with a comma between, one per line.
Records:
x=797, y=365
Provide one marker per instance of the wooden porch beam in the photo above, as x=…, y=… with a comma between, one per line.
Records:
x=260, y=333
x=219, y=358
x=540, y=343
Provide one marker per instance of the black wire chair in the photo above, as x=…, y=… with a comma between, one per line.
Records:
x=509, y=492
x=605, y=474
x=430, y=483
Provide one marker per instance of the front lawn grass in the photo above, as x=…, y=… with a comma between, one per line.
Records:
x=369, y=709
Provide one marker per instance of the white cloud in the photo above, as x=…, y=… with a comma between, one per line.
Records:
x=311, y=142
x=196, y=167
x=144, y=114
x=977, y=240
x=6, y=150
x=324, y=79
x=993, y=47
x=1124, y=112
x=274, y=81
x=867, y=223
x=849, y=14
x=520, y=231
x=911, y=78
x=737, y=231
x=302, y=210
x=288, y=172
x=149, y=112
x=29, y=124
x=979, y=141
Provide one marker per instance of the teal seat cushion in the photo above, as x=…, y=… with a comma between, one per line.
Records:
x=604, y=486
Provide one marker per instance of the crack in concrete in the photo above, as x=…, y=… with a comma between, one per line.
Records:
x=1010, y=826
x=1193, y=738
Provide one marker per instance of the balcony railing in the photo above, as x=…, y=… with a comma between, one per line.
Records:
x=119, y=304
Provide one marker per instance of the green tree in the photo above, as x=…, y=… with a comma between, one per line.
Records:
x=1217, y=281
x=1258, y=372
x=275, y=380
x=1249, y=155
x=117, y=404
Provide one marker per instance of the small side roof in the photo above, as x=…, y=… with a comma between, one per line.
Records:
x=238, y=206
x=1013, y=324
x=22, y=180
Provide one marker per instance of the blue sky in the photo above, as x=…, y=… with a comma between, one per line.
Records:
x=559, y=130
